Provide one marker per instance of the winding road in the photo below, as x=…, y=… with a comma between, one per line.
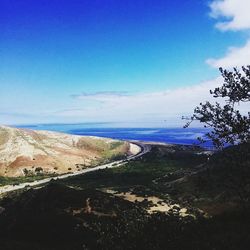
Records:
x=145, y=148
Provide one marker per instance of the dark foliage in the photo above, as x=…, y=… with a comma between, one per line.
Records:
x=45, y=219
x=230, y=168
x=75, y=214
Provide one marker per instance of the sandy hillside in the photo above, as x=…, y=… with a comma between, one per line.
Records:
x=24, y=151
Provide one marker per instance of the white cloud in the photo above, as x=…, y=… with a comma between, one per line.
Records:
x=232, y=15
x=101, y=95
x=154, y=109
x=169, y=105
x=235, y=57
x=234, y=12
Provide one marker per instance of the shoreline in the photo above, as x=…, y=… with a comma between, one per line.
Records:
x=175, y=135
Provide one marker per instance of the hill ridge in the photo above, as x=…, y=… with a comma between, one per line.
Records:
x=53, y=152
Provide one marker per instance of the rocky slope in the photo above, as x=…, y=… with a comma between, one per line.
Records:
x=27, y=152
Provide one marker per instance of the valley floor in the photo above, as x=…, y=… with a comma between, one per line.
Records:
x=173, y=197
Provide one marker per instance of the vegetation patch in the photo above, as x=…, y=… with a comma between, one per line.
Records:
x=151, y=203
x=22, y=179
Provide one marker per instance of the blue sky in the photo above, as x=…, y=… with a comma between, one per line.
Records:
x=100, y=60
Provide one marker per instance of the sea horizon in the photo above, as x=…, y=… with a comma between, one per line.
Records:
x=171, y=135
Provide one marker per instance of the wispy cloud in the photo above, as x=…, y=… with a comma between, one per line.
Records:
x=235, y=14
x=159, y=106
x=235, y=57
x=232, y=15
x=163, y=108
x=101, y=95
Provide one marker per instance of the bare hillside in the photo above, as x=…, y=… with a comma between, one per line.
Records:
x=27, y=152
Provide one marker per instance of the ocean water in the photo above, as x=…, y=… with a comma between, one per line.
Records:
x=186, y=136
